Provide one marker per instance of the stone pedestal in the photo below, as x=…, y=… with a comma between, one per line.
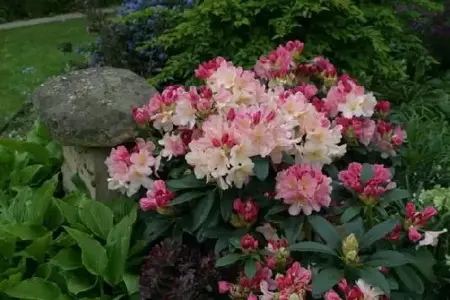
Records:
x=89, y=112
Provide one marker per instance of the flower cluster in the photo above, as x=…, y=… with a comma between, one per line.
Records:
x=369, y=191
x=414, y=224
x=361, y=290
x=303, y=188
x=129, y=170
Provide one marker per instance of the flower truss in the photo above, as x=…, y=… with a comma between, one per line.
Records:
x=281, y=151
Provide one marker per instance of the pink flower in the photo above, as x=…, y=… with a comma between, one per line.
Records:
x=206, y=69
x=383, y=108
x=252, y=297
x=141, y=115
x=157, y=197
x=120, y=154
x=295, y=281
x=303, y=188
x=413, y=234
x=332, y=295
x=248, y=243
x=246, y=210
x=224, y=287
x=325, y=67
x=387, y=138
x=173, y=146
x=279, y=61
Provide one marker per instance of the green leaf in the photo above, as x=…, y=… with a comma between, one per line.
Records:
x=34, y=289
x=325, y=280
x=226, y=203
x=93, y=255
x=424, y=261
x=117, y=246
x=186, y=197
x=410, y=279
x=11, y=281
x=7, y=246
x=221, y=244
x=387, y=258
x=97, y=217
x=229, y=259
x=41, y=202
x=202, y=210
x=69, y=212
x=37, y=152
x=43, y=271
x=261, y=167
x=293, y=229
x=277, y=208
x=25, y=231
x=250, y=268
x=312, y=247
x=396, y=195
x=355, y=226
x=185, y=183
x=131, y=282
x=79, y=281
x=375, y=278
x=288, y=159
x=325, y=230
x=377, y=232
x=67, y=259
x=26, y=175
x=39, y=247
x=366, y=173
x=350, y=213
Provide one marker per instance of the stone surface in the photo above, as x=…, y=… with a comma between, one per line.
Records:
x=92, y=107
x=89, y=165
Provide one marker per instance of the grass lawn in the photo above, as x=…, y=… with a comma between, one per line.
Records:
x=29, y=55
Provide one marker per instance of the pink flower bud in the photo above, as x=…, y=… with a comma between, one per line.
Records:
x=332, y=295
x=428, y=213
x=248, y=242
x=224, y=287
x=413, y=234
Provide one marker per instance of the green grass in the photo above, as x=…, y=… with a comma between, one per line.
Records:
x=33, y=49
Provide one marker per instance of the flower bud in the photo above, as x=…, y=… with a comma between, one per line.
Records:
x=248, y=243
x=350, y=248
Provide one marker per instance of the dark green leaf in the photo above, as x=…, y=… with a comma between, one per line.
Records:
x=325, y=230
x=187, y=182
x=377, y=232
x=350, y=213
x=186, y=197
x=366, y=173
x=226, y=204
x=39, y=247
x=250, y=268
x=8, y=246
x=396, y=195
x=261, y=167
x=410, y=279
x=97, y=217
x=387, y=258
x=325, y=280
x=375, y=278
x=228, y=259
x=277, y=208
x=69, y=212
x=202, y=210
x=67, y=259
x=221, y=244
x=79, y=281
x=34, y=289
x=288, y=159
x=424, y=261
x=93, y=255
x=312, y=247
x=293, y=229
x=356, y=226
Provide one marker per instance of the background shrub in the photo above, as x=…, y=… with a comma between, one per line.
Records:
x=367, y=39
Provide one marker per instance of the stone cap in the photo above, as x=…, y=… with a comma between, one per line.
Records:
x=92, y=107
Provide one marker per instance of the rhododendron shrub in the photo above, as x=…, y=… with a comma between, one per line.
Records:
x=288, y=171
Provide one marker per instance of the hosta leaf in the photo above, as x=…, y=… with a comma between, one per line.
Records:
x=39, y=247
x=97, y=217
x=93, y=255
x=312, y=247
x=34, y=289
x=79, y=281
x=67, y=259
